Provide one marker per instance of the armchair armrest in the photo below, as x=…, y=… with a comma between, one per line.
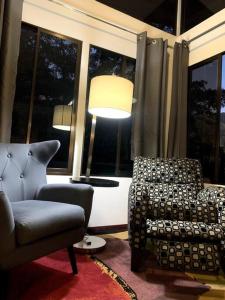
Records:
x=7, y=225
x=164, y=200
x=175, y=209
x=215, y=194
x=212, y=193
x=77, y=194
x=137, y=210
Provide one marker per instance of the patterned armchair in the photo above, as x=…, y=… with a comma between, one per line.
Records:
x=185, y=223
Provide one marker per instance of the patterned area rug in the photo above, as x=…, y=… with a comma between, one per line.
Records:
x=107, y=276
x=154, y=283
x=50, y=278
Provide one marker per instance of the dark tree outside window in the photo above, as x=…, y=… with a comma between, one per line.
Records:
x=159, y=13
x=206, y=124
x=20, y=117
x=48, y=75
x=111, y=153
x=196, y=11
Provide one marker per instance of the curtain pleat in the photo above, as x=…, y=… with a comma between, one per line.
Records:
x=148, y=130
x=177, y=136
x=10, y=28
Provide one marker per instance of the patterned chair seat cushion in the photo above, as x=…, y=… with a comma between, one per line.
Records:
x=184, y=231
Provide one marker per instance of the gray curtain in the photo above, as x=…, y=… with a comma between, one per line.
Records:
x=177, y=136
x=10, y=27
x=148, y=132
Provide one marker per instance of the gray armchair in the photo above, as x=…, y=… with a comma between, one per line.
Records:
x=37, y=218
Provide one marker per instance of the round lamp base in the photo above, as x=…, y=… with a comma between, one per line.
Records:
x=90, y=245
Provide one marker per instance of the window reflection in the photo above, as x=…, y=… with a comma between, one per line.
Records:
x=159, y=13
x=23, y=84
x=196, y=11
x=222, y=126
x=47, y=78
x=111, y=153
x=54, y=86
x=203, y=117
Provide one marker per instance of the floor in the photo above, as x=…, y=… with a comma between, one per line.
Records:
x=215, y=282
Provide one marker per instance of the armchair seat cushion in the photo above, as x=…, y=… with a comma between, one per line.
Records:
x=37, y=219
x=184, y=231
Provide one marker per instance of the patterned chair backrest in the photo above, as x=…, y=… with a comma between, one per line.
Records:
x=168, y=170
x=23, y=168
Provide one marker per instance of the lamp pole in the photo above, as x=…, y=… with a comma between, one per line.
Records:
x=91, y=144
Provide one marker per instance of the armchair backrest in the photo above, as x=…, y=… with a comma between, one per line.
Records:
x=23, y=168
x=168, y=170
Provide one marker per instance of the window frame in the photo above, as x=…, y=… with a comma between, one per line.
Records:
x=39, y=30
x=217, y=57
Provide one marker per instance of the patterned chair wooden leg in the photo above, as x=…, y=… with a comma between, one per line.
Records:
x=136, y=259
x=222, y=261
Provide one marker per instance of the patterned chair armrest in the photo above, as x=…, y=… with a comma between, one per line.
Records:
x=137, y=214
x=215, y=195
x=221, y=213
x=183, y=210
x=179, y=202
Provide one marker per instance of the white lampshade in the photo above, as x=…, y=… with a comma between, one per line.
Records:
x=110, y=97
x=62, y=117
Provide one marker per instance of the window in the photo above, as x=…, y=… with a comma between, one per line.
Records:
x=196, y=11
x=163, y=13
x=159, y=13
x=47, y=76
x=206, y=112
x=111, y=153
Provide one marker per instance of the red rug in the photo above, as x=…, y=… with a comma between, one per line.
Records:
x=50, y=278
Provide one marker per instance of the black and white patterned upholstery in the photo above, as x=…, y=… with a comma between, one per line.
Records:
x=167, y=203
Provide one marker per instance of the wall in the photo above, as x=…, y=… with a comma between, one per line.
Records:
x=208, y=45
x=110, y=204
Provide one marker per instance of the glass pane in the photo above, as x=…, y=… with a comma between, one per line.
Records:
x=158, y=13
x=55, y=85
x=196, y=11
x=102, y=62
x=163, y=15
x=129, y=70
x=23, y=84
x=109, y=152
x=124, y=166
x=203, y=114
x=222, y=127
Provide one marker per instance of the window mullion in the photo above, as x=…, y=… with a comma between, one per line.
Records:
x=179, y=12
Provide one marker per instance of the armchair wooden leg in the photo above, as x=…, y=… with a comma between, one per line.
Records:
x=4, y=285
x=136, y=259
x=72, y=258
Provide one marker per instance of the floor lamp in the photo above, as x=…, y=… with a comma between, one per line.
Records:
x=110, y=97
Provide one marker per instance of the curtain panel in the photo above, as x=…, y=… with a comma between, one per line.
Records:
x=148, y=130
x=10, y=27
x=177, y=136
